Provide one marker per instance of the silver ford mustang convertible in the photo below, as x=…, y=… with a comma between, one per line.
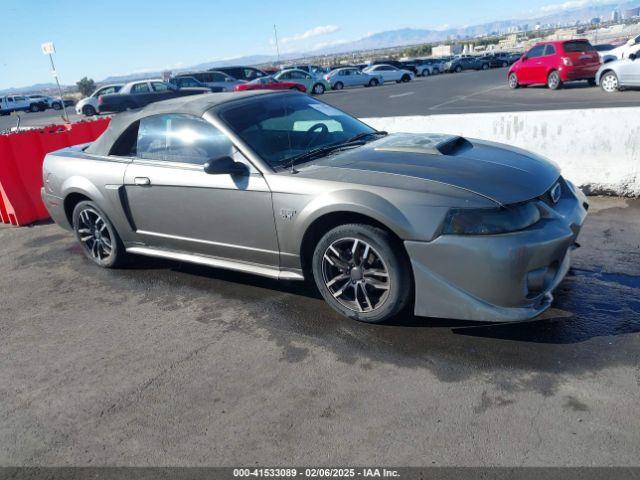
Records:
x=282, y=185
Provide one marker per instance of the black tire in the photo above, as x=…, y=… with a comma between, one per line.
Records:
x=94, y=245
x=373, y=82
x=89, y=111
x=436, y=71
x=512, y=80
x=554, y=82
x=338, y=86
x=504, y=64
x=383, y=292
x=56, y=106
x=591, y=82
x=485, y=66
x=318, y=89
x=426, y=72
x=458, y=69
x=34, y=108
x=405, y=78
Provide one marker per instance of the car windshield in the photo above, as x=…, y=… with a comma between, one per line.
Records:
x=281, y=127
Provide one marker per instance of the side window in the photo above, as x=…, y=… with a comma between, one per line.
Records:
x=536, y=51
x=140, y=88
x=159, y=87
x=285, y=76
x=181, y=138
x=550, y=50
x=217, y=77
x=9, y=99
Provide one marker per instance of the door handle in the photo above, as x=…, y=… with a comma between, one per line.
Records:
x=142, y=181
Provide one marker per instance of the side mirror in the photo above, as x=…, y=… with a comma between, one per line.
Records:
x=225, y=166
x=523, y=58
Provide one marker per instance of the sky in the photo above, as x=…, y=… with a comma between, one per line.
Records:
x=102, y=38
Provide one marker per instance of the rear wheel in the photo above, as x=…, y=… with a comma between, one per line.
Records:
x=504, y=64
x=318, y=89
x=99, y=240
x=56, y=106
x=362, y=272
x=485, y=66
x=458, y=69
x=554, y=82
x=338, y=86
x=513, y=81
x=34, y=108
x=405, y=78
x=609, y=82
x=373, y=82
x=436, y=71
x=426, y=72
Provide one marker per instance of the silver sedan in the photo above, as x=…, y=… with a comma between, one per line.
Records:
x=352, y=77
x=616, y=75
x=281, y=185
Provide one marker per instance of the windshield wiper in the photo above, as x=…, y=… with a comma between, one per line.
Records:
x=326, y=149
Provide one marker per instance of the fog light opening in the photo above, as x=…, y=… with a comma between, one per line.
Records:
x=540, y=279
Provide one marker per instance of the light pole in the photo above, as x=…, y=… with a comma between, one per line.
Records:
x=49, y=49
x=275, y=31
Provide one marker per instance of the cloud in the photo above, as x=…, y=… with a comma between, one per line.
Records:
x=314, y=32
x=568, y=5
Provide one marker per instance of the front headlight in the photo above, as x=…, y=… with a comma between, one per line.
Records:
x=488, y=221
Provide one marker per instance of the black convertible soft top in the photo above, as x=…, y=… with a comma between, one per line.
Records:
x=195, y=105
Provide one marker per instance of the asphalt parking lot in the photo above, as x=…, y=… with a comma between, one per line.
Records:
x=465, y=92
x=171, y=364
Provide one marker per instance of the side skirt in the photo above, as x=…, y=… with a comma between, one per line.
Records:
x=218, y=263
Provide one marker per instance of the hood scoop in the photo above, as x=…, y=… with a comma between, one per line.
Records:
x=427, y=144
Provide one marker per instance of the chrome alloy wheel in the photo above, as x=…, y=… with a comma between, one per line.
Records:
x=356, y=275
x=94, y=235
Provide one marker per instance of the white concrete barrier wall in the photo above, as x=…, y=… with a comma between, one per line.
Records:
x=597, y=149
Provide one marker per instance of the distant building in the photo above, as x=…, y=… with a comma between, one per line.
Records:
x=615, y=16
x=595, y=21
x=630, y=13
x=446, y=50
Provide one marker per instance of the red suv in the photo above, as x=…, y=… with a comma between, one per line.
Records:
x=554, y=63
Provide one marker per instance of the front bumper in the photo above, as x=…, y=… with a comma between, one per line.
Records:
x=507, y=277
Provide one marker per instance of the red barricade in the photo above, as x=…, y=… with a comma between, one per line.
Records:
x=21, y=156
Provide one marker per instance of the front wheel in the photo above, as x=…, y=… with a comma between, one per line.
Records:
x=34, y=108
x=554, y=82
x=99, y=240
x=318, y=89
x=373, y=82
x=513, y=81
x=405, y=78
x=362, y=272
x=458, y=69
x=56, y=106
x=338, y=86
x=89, y=110
x=609, y=82
x=504, y=64
x=426, y=72
x=485, y=66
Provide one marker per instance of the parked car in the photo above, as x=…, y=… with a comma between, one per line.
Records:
x=616, y=75
x=395, y=63
x=270, y=83
x=314, y=85
x=351, y=77
x=292, y=188
x=314, y=70
x=389, y=73
x=89, y=105
x=623, y=51
x=495, y=61
x=45, y=101
x=214, y=80
x=428, y=66
x=466, y=63
x=554, y=63
x=241, y=73
x=143, y=92
x=20, y=103
x=603, y=50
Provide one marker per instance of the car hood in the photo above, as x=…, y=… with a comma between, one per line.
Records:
x=500, y=173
